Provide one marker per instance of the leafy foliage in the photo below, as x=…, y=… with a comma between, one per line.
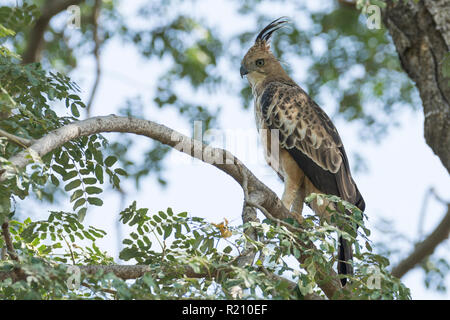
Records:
x=194, y=252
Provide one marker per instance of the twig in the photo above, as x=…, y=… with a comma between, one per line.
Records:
x=96, y=52
x=291, y=285
x=70, y=249
x=424, y=248
x=25, y=143
x=423, y=211
x=8, y=241
x=87, y=285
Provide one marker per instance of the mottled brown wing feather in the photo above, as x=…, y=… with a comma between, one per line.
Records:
x=310, y=137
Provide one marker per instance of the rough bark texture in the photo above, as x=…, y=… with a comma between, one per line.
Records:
x=421, y=34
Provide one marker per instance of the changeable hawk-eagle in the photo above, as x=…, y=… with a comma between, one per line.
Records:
x=311, y=154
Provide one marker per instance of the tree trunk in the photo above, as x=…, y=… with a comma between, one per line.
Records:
x=421, y=34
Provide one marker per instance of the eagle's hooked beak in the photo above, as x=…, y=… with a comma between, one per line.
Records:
x=244, y=71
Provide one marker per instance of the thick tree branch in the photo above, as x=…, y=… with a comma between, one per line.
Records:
x=259, y=193
x=129, y=272
x=8, y=241
x=35, y=42
x=424, y=248
x=421, y=34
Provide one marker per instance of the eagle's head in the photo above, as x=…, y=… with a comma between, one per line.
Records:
x=259, y=62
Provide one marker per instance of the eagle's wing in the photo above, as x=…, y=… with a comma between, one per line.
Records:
x=310, y=137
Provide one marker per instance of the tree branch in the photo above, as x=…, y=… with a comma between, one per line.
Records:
x=8, y=241
x=348, y=3
x=421, y=36
x=259, y=193
x=425, y=248
x=129, y=272
x=35, y=42
x=17, y=140
x=96, y=52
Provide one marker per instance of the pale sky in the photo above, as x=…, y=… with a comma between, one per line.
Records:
x=400, y=169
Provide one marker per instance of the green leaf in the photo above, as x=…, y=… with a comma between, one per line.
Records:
x=109, y=161
x=227, y=249
x=54, y=180
x=72, y=185
x=95, y=201
x=69, y=175
x=167, y=231
x=93, y=190
x=89, y=181
x=162, y=215
x=79, y=203
x=78, y=193
x=59, y=169
x=121, y=172
x=81, y=214
x=127, y=241
x=74, y=110
x=99, y=173
x=183, y=214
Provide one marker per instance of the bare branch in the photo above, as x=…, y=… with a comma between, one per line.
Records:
x=35, y=42
x=8, y=241
x=17, y=140
x=96, y=52
x=424, y=248
x=87, y=285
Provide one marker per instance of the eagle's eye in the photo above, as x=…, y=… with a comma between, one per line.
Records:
x=260, y=62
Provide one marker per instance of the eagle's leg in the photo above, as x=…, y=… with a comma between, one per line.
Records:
x=289, y=194
x=293, y=185
x=297, y=205
x=293, y=199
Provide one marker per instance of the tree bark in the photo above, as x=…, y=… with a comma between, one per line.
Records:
x=421, y=34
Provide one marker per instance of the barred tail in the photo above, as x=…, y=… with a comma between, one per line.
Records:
x=345, y=256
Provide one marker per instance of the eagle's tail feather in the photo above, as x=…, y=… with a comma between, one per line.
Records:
x=345, y=256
